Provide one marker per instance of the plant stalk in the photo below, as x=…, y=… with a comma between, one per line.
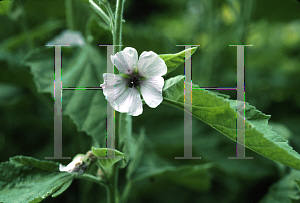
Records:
x=117, y=35
x=100, y=12
x=69, y=14
x=112, y=188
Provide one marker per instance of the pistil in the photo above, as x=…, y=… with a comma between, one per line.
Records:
x=133, y=81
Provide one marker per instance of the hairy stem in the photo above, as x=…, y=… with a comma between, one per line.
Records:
x=69, y=14
x=100, y=12
x=112, y=188
x=117, y=36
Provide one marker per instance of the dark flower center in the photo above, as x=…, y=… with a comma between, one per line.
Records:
x=133, y=81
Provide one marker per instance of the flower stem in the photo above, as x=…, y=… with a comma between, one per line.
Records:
x=126, y=192
x=100, y=12
x=112, y=187
x=117, y=37
x=69, y=14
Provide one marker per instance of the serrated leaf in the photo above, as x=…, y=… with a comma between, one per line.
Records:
x=25, y=179
x=63, y=188
x=174, y=60
x=106, y=153
x=220, y=113
x=27, y=161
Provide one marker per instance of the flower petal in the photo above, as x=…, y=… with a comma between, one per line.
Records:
x=129, y=102
x=64, y=168
x=121, y=97
x=125, y=60
x=113, y=86
x=150, y=65
x=73, y=166
x=151, y=89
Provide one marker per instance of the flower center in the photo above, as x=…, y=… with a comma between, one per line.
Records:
x=133, y=81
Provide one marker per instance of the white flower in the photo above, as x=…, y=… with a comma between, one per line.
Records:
x=77, y=165
x=146, y=73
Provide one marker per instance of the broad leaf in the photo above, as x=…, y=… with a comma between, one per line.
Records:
x=12, y=43
x=174, y=60
x=104, y=155
x=81, y=67
x=220, y=113
x=25, y=179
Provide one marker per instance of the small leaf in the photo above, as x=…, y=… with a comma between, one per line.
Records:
x=25, y=179
x=174, y=60
x=106, y=153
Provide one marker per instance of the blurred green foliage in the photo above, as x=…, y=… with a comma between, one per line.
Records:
x=271, y=80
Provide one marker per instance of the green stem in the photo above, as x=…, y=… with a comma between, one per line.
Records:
x=92, y=178
x=126, y=192
x=69, y=14
x=112, y=187
x=100, y=12
x=117, y=35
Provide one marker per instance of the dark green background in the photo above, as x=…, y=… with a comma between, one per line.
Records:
x=272, y=79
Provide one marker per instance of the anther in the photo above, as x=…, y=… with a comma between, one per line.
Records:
x=133, y=81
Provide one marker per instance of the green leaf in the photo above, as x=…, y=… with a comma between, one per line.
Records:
x=281, y=129
x=13, y=43
x=174, y=60
x=137, y=150
x=284, y=190
x=147, y=164
x=195, y=177
x=82, y=67
x=9, y=93
x=25, y=179
x=106, y=153
x=12, y=72
x=63, y=188
x=298, y=182
x=125, y=131
x=220, y=113
x=4, y=7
